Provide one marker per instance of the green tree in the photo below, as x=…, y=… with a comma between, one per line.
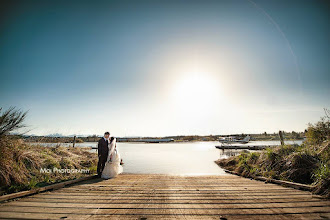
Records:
x=295, y=135
x=320, y=131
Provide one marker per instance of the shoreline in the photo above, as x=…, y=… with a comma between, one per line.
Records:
x=172, y=142
x=289, y=136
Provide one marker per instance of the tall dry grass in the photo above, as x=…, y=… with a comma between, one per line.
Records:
x=20, y=164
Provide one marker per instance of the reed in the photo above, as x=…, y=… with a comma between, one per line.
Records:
x=20, y=164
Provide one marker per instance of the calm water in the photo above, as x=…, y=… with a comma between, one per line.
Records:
x=192, y=158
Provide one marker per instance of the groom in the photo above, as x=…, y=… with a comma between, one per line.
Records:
x=102, y=149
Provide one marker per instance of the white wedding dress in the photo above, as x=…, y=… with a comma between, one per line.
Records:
x=112, y=168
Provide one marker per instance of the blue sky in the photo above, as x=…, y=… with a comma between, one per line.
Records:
x=156, y=68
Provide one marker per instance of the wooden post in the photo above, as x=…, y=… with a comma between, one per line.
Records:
x=74, y=140
x=281, y=137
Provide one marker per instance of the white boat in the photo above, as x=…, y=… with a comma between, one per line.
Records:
x=231, y=140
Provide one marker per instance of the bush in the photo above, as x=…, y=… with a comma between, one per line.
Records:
x=11, y=120
x=318, y=132
x=322, y=172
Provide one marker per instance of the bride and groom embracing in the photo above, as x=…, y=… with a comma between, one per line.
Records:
x=109, y=164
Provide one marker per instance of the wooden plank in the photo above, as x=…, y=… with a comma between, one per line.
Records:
x=195, y=192
x=288, y=202
x=131, y=196
x=132, y=204
x=172, y=201
x=290, y=216
x=42, y=189
x=280, y=182
x=148, y=209
x=244, y=147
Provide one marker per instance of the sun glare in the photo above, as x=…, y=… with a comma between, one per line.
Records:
x=195, y=93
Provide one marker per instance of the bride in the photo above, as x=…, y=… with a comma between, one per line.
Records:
x=112, y=166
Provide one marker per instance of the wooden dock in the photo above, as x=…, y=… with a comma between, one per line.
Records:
x=244, y=147
x=153, y=196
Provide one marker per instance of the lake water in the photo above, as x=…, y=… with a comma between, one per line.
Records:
x=189, y=158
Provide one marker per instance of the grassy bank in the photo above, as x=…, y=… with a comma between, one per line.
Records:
x=20, y=164
x=307, y=164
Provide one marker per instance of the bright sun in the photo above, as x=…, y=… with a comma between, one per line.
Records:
x=194, y=93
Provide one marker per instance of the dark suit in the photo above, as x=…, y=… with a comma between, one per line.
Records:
x=102, y=151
